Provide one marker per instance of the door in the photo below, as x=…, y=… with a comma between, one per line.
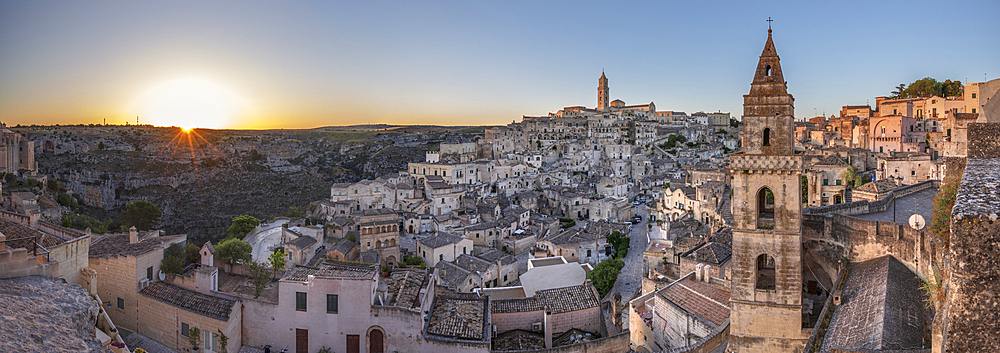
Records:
x=377, y=342
x=301, y=341
x=353, y=344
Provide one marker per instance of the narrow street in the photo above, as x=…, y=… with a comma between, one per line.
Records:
x=630, y=280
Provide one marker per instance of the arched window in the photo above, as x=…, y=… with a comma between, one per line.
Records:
x=767, y=70
x=765, y=209
x=767, y=137
x=765, y=272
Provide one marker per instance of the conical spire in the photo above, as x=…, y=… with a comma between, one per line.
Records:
x=769, y=66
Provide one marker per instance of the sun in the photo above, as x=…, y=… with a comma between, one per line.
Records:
x=189, y=104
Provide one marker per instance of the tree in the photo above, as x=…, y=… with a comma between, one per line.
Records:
x=233, y=251
x=277, y=259
x=852, y=178
x=192, y=253
x=924, y=87
x=173, y=260
x=898, y=93
x=804, y=181
x=259, y=274
x=242, y=225
x=951, y=88
x=141, y=214
x=605, y=274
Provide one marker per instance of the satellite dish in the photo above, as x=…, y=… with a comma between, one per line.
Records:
x=163, y=276
x=917, y=222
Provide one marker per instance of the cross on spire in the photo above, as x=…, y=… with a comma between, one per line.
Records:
x=769, y=20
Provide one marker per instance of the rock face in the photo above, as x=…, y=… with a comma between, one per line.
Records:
x=45, y=315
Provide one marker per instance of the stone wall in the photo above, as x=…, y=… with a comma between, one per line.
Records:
x=984, y=141
x=72, y=256
x=969, y=316
x=860, y=240
x=517, y=321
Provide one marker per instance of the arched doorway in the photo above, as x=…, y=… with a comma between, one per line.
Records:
x=376, y=340
x=411, y=228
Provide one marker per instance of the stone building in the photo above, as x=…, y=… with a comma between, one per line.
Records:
x=126, y=264
x=379, y=230
x=16, y=153
x=767, y=271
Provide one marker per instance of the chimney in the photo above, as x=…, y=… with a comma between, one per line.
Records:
x=133, y=235
x=707, y=273
x=547, y=323
x=33, y=216
x=698, y=272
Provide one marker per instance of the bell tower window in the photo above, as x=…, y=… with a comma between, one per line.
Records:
x=765, y=272
x=767, y=137
x=765, y=209
x=767, y=70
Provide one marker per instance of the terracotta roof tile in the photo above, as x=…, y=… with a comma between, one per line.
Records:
x=205, y=305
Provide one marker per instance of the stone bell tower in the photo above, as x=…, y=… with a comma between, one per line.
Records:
x=602, y=92
x=767, y=209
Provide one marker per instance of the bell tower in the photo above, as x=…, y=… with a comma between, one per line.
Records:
x=766, y=297
x=602, y=92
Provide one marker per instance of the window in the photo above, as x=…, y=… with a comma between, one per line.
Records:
x=588, y=255
x=149, y=273
x=300, y=301
x=973, y=97
x=331, y=303
x=211, y=338
x=463, y=250
x=505, y=277
x=765, y=209
x=767, y=70
x=440, y=257
x=913, y=173
x=838, y=181
x=949, y=132
x=121, y=303
x=765, y=272
x=973, y=110
x=826, y=181
x=185, y=329
x=767, y=137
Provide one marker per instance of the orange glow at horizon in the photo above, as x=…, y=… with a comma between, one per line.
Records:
x=189, y=104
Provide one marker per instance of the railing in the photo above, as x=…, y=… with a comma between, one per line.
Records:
x=29, y=243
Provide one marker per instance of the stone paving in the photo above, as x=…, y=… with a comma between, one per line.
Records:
x=265, y=238
x=630, y=280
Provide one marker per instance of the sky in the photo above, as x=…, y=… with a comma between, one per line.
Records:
x=304, y=64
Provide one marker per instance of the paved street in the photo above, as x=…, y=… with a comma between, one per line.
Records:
x=265, y=238
x=630, y=279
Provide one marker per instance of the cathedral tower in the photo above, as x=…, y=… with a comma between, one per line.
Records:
x=602, y=92
x=767, y=208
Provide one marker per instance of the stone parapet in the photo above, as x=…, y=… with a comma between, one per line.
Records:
x=739, y=163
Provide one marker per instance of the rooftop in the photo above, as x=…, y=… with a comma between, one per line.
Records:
x=882, y=309
x=459, y=317
x=403, y=287
x=440, y=239
x=332, y=270
x=566, y=299
x=703, y=301
x=114, y=245
x=198, y=303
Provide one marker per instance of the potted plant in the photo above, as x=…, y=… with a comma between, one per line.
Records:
x=194, y=338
